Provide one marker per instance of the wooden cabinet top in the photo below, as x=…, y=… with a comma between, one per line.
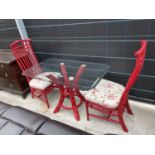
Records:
x=6, y=56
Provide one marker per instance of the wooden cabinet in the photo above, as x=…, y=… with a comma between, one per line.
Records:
x=11, y=78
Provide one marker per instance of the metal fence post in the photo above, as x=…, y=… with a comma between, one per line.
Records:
x=21, y=28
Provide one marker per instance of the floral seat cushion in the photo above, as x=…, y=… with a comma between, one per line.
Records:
x=106, y=93
x=41, y=81
x=39, y=84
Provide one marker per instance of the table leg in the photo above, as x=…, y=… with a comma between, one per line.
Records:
x=73, y=102
x=74, y=106
x=80, y=97
x=60, y=103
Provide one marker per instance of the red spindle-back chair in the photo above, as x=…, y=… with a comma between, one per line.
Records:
x=28, y=63
x=70, y=89
x=25, y=57
x=140, y=56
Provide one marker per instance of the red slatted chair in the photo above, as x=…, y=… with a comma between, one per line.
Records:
x=40, y=85
x=111, y=98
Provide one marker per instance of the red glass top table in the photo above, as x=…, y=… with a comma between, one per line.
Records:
x=89, y=78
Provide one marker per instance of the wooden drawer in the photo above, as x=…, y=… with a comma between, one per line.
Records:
x=9, y=67
x=14, y=84
x=9, y=84
x=11, y=71
x=12, y=74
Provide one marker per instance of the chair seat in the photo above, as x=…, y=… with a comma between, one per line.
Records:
x=106, y=93
x=39, y=84
x=41, y=81
x=43, y=75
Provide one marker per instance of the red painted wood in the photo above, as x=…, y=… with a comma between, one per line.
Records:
x=123, y=104
x=25, y=57
x=70, y=90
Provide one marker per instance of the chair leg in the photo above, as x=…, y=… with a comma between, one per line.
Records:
x=46, y=101
x=129, y=108
x=108, y=116
x=87, y=110
x=32, y=93
x=121, y=120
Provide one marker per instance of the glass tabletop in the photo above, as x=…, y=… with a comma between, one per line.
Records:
x=93, y=73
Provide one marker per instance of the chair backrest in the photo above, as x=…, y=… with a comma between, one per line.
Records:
x=140, y=57
x=76, y=79
x=25, y=57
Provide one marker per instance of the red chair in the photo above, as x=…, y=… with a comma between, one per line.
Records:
x=111, y=98
x=39, y=84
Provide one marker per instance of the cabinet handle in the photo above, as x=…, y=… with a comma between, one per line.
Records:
x=6, y=75
x=2, y=66
x=11, y=85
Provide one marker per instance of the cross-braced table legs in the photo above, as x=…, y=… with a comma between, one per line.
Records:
x=71, y=93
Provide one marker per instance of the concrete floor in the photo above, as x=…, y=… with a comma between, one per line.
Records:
x=142, y=122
